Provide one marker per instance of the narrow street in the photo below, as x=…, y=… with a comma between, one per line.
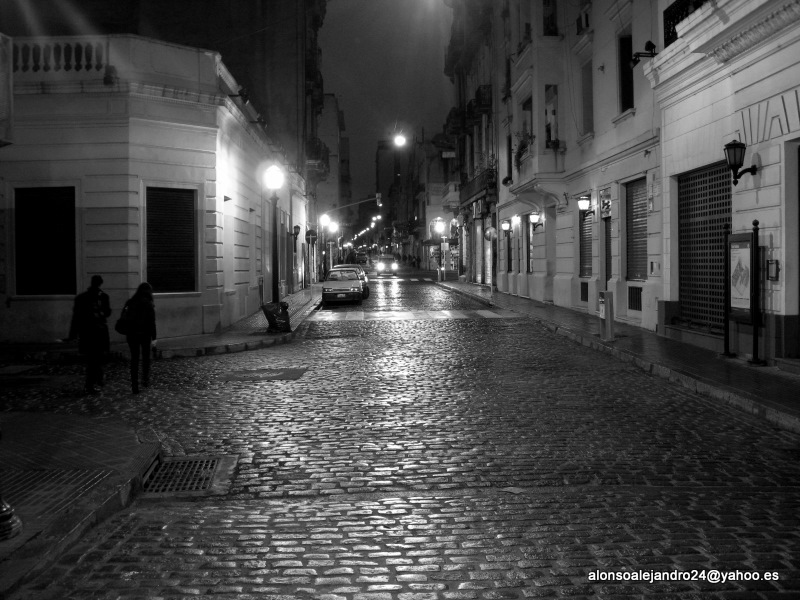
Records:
x=398, y=450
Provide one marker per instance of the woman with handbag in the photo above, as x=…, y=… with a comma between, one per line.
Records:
x=139, y=315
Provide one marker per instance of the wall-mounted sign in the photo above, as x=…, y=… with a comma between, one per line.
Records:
x=604, y=199
x=740, y=278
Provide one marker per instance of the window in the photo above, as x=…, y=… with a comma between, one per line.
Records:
x=587, y=88
x=527, y=117
x=551, y=116
x=509, y=251
x=509, y=158
x=44, y=241
x=585, y=241
x=625, y=73
x=171, y=240
x=549, y=20
x=636, y=229
x=529, y=248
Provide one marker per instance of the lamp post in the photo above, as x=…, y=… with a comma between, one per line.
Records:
x=439, y=229
x=327, y=227
x=273, y=179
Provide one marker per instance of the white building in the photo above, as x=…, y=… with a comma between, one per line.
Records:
x=137, y=160
x=627, y=106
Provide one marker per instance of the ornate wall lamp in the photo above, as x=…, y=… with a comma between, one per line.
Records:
x=734, y=156
x=585, y=205
x=535, y=218
x=295, y=233
x=505, y=225
x=649, y=52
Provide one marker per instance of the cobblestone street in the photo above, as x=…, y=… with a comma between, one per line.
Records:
x=445, y=452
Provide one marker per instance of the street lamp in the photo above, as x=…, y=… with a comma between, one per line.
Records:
x=439, y=229
x=327, y=226
x=273, y=179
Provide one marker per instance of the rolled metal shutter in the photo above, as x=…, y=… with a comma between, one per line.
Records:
x=636, y=230
x=607, y=236
x=171, y=240
x=585, y=267
x=704, y=208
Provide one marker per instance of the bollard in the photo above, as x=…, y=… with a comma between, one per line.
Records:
x=606, y=301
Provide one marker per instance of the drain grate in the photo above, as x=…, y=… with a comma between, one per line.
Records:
x=189, y=476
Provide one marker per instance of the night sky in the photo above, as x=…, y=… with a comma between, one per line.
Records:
x=384, y=60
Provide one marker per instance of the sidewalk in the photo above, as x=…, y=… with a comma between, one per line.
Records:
x=249, y=333
x=62, y=474
x=767, y=392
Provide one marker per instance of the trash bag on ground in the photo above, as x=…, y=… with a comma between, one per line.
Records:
x=277, y=315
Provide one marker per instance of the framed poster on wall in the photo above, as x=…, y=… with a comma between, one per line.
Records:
x=741, y=254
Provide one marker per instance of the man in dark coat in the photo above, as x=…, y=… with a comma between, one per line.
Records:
x=89, y=314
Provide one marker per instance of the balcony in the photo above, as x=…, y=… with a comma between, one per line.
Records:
x=483, y=183
x=674, y=14
x=483, y=99
x=454, y=124
x=317, y=159
x=66, y=55
x=104, y=63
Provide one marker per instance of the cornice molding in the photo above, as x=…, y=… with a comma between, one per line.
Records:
x=787, y=15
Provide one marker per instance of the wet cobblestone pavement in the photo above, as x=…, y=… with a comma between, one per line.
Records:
x=424, y=459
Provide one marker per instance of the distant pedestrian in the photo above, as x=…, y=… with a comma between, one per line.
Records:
x=89, y=326
x=141, y=318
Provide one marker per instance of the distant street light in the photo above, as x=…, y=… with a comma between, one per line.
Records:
x=399, y=140
x=439, y=228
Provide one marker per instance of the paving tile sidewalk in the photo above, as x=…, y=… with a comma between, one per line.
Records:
x=764, y=391
x=63, y=473
x=249, y=333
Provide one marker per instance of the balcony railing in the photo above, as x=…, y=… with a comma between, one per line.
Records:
x=454, y=124
x=674, y=14
x=485, y=180
x=317, y=159
x=73, y=55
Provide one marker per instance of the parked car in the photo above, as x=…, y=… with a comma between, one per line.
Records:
x=386, y=265
x=342, y=285
x=362, y=275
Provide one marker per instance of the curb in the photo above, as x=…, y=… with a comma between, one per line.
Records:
x=691, y=382
x=216, y=349
x=37, y=554
x=229, y=348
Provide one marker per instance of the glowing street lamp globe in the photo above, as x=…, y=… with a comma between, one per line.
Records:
x=399, y=140
x=274, y=177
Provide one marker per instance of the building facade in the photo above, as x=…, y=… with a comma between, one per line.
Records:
x=271, y=78
x=591, y=138
x=134, y=159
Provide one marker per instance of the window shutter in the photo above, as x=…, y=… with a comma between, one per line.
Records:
x=585, y=268
x=704, y=208
x=608, y=241
x=171, y=240
x=636, y=229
